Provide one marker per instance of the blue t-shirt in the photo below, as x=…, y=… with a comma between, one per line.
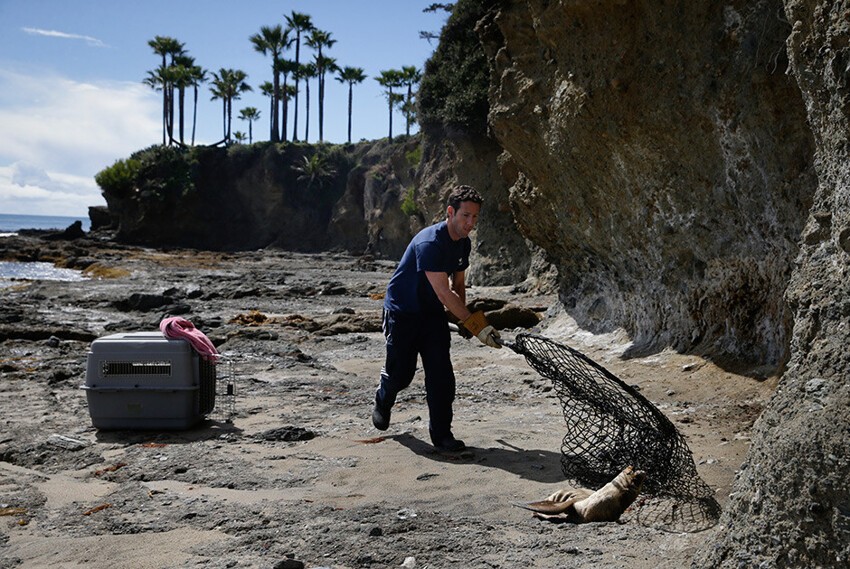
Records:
x=433, y=250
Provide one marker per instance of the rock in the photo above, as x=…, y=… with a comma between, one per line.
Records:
x=512, y=316
x=73, y=231
x=67, y=443
x=289, y=564
x=287, y=434
x=143, y=302
x=100, y=218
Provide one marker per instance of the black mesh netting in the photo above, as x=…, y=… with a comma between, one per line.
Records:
x=610, y=426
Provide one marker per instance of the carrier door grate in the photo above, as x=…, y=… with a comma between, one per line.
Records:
x=136, y=368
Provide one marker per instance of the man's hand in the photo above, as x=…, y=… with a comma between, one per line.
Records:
x=478, y=325
x=490, y=336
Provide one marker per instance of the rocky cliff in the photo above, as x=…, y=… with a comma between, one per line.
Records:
x=665, y=163
x=689, y=182
x=293, y=196
x=791, y=506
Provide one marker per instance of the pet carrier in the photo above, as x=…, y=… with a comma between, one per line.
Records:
x=142, y=380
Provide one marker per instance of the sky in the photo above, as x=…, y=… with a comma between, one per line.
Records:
x=72, y=101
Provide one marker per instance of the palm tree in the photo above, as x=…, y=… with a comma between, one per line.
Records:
x=352, y=76
x=391, y=79
x=327, y=64
x=239, y=136
x=314, y=170
x=410, y=76
x=228, y=85
x=158, y=81
x=167, y=46
x=198, y=75
x=298, y=23
x=273, y=40
x=287, y=68
x=183, y=77
x=267, y=89
x=250, y=114
x=306, y=72
x=317, y=40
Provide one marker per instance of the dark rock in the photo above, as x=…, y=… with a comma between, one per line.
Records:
x=287, y=434
x=513, y=316
x=143, y=302
x=101, y=218
x=73, y=231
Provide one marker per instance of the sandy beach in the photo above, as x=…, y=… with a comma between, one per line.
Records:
x=300, y=477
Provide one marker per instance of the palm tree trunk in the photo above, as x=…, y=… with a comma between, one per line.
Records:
x=295, y=100
x=182, y=113
x=284, y=102
x=164, y=115
x=170, y=113
x=307, y=110
x=194, y=115
x=321, y=106
x=224, y=117
x=407, y=114
x=229, y=116
x=391, y=114
x=275, y=112
x=350, y=108
x=271, y=113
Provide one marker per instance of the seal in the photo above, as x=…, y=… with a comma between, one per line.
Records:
x=582, y=505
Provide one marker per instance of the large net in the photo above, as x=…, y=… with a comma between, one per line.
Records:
x=610, y=425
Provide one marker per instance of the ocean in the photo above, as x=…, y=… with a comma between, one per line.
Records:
x=10, y=222
x=13, y=271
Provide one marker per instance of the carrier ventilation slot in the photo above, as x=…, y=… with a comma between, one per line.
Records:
x=136, y=368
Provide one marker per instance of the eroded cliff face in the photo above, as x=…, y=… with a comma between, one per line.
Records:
x=692, y=185
x=791, y=502
x=665, y=164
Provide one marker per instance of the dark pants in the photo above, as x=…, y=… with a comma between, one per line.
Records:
x=409, y=336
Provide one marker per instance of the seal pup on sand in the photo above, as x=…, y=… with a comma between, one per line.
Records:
x=582, y=505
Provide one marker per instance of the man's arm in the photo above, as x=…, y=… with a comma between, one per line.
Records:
x=453, y=297
x=458, y=284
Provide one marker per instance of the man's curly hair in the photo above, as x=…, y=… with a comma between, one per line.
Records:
x=464, y=194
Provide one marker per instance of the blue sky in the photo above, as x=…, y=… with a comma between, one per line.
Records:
x=72, y=100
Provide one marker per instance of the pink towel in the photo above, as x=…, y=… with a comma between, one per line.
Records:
x=180, y=328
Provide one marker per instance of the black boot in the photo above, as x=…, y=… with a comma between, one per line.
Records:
x=380, y=415
x=447, y=443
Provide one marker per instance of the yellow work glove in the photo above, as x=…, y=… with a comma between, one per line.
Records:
x=477, y=324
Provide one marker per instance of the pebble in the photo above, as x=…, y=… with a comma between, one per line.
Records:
x=409, y=562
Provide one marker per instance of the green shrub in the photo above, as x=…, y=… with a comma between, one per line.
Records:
x=120, y=178
x=454, y=86
x=414, y=157
x=408, y=204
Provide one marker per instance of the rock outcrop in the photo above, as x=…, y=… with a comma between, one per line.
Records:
x=665, y=165
x=295, y=197
x=791, y=504
x=690, y=183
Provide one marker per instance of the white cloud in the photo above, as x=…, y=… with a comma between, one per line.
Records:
x=27, y=189
x=56, y=134
x=94, y=42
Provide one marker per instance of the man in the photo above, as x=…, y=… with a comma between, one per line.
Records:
x=428, y=281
